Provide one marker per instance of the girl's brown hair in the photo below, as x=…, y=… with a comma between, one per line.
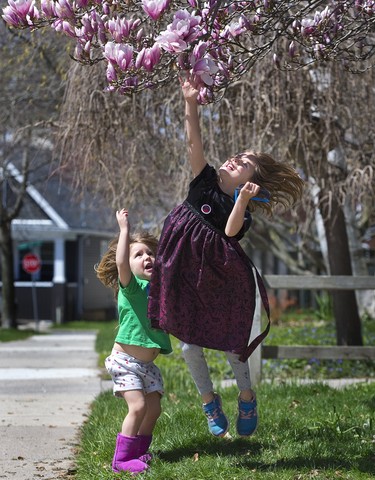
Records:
x=280, y=179
x=106, y=269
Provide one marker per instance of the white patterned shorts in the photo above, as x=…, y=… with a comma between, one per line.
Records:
x=129, y=373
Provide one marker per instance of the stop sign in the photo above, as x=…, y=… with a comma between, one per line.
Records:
x=31, y=263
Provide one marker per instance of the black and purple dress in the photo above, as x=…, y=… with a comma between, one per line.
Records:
x=202, y=288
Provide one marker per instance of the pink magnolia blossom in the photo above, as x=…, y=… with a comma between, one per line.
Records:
x=200, y=49
x=223, y=69
x=171, y=42
x=80, y=52
x=205, y=95
x=185, y=25
x=87, y=30
x=92, y=26
x=106, y=8
x=64, y=9
x=64, y=27
x=87, y=47
x=182, y=30
x=128, y=85
x=148, y=58
x=81, y=3
x=204, y=67
x=96, y=21
x=48, y=8
x=236, y=28
x=139, y=59
x=20, y=13
x=111, y=73
x=119, y=54
x=140, y=34
x=155, y=8
x=119, y=28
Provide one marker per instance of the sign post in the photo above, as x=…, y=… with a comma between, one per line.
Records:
x=31, y=264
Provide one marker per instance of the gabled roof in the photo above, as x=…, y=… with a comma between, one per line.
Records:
x=53, y=208
x=36, y=200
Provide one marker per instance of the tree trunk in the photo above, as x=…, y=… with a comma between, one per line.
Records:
x=9, y=316
x=345, y=309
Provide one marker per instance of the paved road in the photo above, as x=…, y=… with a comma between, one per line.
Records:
x=47, y=384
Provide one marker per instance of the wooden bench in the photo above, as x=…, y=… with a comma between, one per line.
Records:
x=308, y=282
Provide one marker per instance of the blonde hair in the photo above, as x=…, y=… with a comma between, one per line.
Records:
x=281, y=180
x=106, y=269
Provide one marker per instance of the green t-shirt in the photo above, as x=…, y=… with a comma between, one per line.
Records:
x=134, y=326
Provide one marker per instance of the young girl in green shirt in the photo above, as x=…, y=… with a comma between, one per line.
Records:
x=127, y=268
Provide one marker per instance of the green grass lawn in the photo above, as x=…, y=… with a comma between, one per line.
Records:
x=305, y=432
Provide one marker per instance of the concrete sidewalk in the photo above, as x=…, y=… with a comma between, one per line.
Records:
x=47, y=384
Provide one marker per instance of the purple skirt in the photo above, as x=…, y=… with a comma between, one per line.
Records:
x=202, y=289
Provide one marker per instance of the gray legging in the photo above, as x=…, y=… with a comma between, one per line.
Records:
x=196, y=362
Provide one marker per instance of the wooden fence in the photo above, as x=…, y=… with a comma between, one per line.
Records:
x=309, y=282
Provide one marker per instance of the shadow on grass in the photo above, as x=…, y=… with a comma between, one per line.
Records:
x=371, y=403
x=210, y=446
x=364, y=465
x=245, y=452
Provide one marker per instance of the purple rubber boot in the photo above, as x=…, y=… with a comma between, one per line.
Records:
x=144, y=444
x=126, y=455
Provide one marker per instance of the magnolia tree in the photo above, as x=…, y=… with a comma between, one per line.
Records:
x=145, y=44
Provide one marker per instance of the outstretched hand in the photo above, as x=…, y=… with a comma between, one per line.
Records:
x=122, y=218
x=189, y=90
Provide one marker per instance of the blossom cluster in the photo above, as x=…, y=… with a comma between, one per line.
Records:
x=147, y=43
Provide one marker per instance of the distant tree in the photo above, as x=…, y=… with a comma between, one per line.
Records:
x=30, y=88
x=131, y=150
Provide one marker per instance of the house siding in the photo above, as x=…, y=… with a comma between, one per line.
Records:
x=98, y=301
x=34, y=305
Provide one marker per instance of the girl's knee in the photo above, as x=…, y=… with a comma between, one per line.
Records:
x=137, y=405
x=138, y=410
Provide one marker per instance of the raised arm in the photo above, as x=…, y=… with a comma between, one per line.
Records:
x=236, y=218
x=122, y=250
x=193, y=131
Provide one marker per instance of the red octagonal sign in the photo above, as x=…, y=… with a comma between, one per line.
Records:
x=31, y=263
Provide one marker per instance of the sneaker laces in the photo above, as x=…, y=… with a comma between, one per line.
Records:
x=247, y=414
x=213, y=414
x=247, y=410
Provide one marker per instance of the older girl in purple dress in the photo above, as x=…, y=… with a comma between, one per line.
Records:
x=203, y=286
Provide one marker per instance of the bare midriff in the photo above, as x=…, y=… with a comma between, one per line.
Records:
x=140, y=353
